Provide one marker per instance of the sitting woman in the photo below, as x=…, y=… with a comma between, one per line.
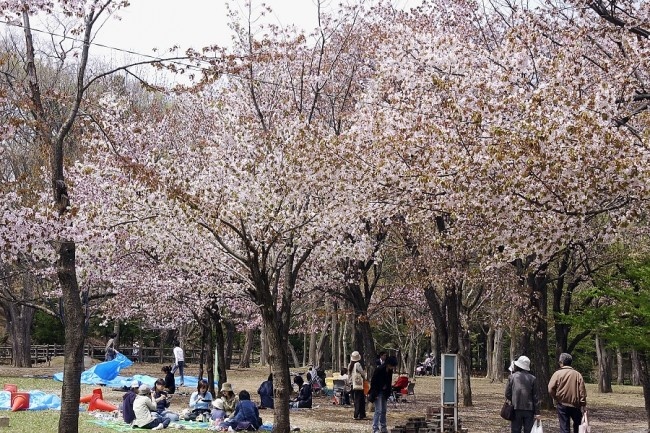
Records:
x=170, y=382
x=246, y=415
x=304, y=394
x=143, y=407
x=201, y=398
x=266, y=393
x=229, y=398
x=162, y=400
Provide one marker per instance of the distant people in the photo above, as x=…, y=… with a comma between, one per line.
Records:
x=163, y=400
x=170, y=382
x=381, y=359
x=303, y=400
x=428, y=364
x=229, y=398
x=521, y=390
x=567, y=388
x=246, y=415
x=346, y=387
x=110, y=351
x=265, y=392
x=135, y=352
x=201, y=399
x=127, y=402
x=357, y=376
x=179, y=362
x=380, y=390
x=218, y=414
x=143, y=407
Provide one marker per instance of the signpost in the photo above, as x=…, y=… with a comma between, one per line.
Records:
x=449, y=388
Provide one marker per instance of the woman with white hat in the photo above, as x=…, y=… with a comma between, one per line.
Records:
x=357, y=376
x=522, y=392
x=229, y=398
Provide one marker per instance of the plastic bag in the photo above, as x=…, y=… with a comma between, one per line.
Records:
x=537, y=427
x=584, y=425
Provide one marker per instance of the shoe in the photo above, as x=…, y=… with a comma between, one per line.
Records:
x=181, y=384
x=158, y=427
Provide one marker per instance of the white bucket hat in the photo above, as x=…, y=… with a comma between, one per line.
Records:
x=523, y=362
x=355, y=356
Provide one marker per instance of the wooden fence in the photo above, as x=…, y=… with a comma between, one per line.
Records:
x=154, y=355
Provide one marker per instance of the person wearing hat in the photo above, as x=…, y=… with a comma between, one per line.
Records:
x=357, y=375
x=521, y=390
x=229, y=398
x=380, y=390
x=143, y=407
x=218, y=414
x=127, y=402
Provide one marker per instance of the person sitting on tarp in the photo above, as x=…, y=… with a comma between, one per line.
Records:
x=170, y=382
x=246, y=415
x=143, y=407
x=127, y=402
x=266, y=393
x=201, y=399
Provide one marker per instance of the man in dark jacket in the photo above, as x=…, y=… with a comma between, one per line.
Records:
x=522, y=392
x=380, y=390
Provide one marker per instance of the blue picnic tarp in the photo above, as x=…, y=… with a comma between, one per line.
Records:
x=38, y=400
x=103, y=372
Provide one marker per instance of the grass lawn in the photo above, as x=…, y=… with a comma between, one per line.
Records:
x=619, y=412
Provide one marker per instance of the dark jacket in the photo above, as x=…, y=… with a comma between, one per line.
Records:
x=266, y=394
x=170, y=382
x=246, y=411
x=127, y=406
x=522, y=391
x=163, y=404
x=381, y=382
x=304, y=396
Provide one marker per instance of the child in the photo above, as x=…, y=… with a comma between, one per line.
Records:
x=162, y=400
x=218, y=414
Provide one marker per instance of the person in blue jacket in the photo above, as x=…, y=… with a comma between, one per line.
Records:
x=246, y=414
x=266, y=393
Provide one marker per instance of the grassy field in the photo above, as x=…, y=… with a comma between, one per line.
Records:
x=621, y=411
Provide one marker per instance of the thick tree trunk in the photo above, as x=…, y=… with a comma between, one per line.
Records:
x=336, y=356
x=19, y=325
x=294, y=356
x=465, y=367
x=222, y=375
x=280, y=368
x=604, y=366
x=497, y=356
x=209, y=367
x=539, y=339
x=245, y=360
x=264, y=346
x=73, y=320
x=412, y=353
x=320, y=348
x=644, y=376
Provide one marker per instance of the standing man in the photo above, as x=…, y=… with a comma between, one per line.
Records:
x=568, y=391
x=179, y=362
x=380, y=390
x=110, y=351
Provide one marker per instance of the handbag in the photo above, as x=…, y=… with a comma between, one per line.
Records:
x=537, y=427
x=507, y=411
x=584, y=424
x=357, y=379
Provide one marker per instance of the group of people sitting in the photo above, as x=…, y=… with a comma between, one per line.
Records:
x=147, y=408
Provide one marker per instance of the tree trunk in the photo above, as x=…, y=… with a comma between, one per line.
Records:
x=635, y=376
x=245, y=360
x=312, y=348
x=280, y=368
x=116, y=331
x=644, y=376
x=320, y=348
x=336, y=358
x=230, y=338
x=489, y=349
x=222, y=375
x=413, y=352
x=620, y=378
x=19, y=325
x=210, y=356
x=465, y=367
x=294, y=356
x=497, y=355
x=264, y=346
x=73, y=320
x=604, y=366
x=538, y=349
